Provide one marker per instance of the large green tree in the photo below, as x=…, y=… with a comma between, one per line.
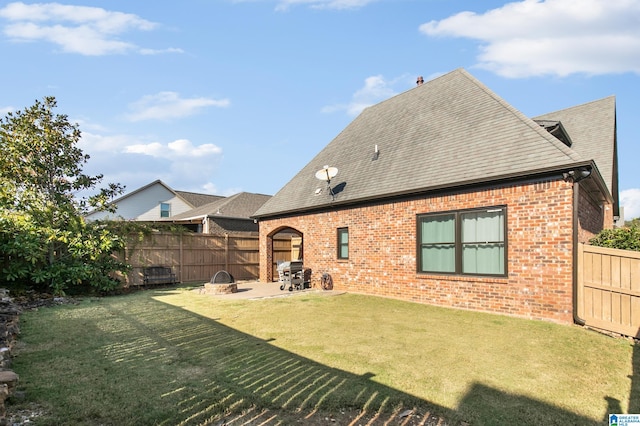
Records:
x=44, y=240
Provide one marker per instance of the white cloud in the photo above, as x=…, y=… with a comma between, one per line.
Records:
x=375, y=89
x=551, y=37
x=160, y=51
x=179, y=149
x=630, y=200
x=88, y=125
x=155, y=149
x=107, y=22
x=93, y=143
x=135, y=161
x=167, y=105
x=209, y=188
x=284, y=5
x=179, y=160
x=75, y=29
x=324, y=4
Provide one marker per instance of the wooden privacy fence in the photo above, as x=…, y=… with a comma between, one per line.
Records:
x=196, y=257
x=609, y=289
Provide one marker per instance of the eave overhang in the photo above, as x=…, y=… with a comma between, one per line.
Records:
x=594, y=186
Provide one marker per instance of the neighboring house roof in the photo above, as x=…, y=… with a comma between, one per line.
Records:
x=239, y=206
x=138, y=203
x=449, y=132
x=144, y=188
x=190, y=206
x=592, y=127
x=188, y=197
x=197, y=200
x=186, y=200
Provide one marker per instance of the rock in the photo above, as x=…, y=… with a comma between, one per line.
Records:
x=9, y=330
x=405, y=413
x=9, y=378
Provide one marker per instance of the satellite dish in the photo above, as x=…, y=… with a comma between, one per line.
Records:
x=326, y=173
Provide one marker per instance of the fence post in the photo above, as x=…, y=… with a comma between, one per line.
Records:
x=181, y=260
x=127, y=280
x=226, y=252
x=580, y=281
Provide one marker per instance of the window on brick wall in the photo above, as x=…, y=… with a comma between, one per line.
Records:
x=343, y=243
x=465, y=242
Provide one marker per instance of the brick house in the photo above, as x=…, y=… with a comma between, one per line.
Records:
x=447, y=195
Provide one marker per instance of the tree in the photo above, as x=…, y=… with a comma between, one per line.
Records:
x=44, y=239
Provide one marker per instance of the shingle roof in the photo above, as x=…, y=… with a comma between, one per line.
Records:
x=197, y=200
x=592, y=127
x=239, y=206
x=448, y=132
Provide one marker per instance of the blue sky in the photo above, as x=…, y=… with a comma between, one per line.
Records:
x=222, y=96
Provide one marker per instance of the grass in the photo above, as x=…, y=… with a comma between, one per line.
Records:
x=174, y=357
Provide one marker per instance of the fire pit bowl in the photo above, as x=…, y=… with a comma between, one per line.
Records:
x=221, y=283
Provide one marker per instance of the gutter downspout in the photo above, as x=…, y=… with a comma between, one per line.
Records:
x=576, y=203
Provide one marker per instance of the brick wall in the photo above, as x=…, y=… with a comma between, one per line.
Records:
x=592, y=217
x=383, y=249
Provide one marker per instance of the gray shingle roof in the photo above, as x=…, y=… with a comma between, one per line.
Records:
x=239, y=206
x=196, y=199
x=448, y=132
x=592, y=128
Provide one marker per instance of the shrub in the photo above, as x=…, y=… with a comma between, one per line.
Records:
x=621, y=238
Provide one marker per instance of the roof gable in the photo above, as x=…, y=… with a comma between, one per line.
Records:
x=448, y=132
x=135, y=192
x=592, y=127
x=140, y=202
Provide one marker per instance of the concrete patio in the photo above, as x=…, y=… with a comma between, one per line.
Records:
x=258, y=290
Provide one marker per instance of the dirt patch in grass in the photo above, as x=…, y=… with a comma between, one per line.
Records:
x=25, y=416
x=32, y=300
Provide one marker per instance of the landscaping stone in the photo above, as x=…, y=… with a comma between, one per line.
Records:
x=9, y=330
x=9, y=378
x=228, y=288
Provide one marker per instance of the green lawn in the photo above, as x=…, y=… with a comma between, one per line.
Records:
x=175, y=357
